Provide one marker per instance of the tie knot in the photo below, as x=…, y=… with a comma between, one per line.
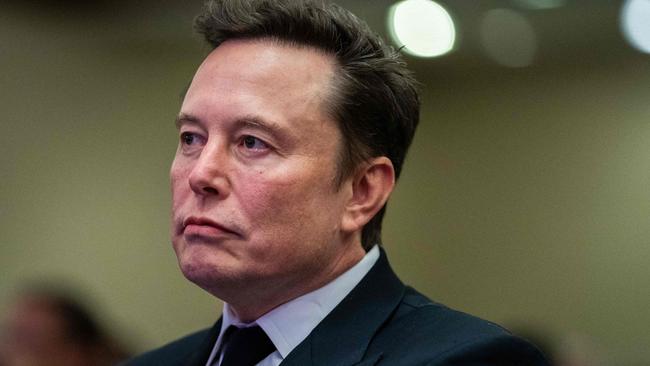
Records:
x=246, y=346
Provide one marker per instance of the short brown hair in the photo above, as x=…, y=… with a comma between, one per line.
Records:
x=375, y=103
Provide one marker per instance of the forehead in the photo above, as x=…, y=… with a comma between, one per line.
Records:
x=263, y=70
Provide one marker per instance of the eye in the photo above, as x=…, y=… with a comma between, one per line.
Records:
x=188, y=138
x=253, y=143
x=191, y=142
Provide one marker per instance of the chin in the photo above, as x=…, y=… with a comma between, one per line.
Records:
x=206, y=271
x=196, y=266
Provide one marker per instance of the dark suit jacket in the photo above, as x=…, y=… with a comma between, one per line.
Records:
x=381, y=322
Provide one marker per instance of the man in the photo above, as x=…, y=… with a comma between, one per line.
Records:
x=292, y=134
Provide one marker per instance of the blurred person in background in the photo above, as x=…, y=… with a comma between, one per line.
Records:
x=49, y=328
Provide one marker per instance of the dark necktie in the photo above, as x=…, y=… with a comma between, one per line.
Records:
x=246, y=346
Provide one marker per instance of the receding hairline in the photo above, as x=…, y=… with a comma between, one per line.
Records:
x=336, y=66
x=277, y=40
x=328, y=95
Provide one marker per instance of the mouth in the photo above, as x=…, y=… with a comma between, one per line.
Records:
x=206, y=228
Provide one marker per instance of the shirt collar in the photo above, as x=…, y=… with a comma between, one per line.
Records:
x=290, y=323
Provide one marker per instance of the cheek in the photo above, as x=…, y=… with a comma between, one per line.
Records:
x=264, y=199
x=178, y=178
x=284, y=205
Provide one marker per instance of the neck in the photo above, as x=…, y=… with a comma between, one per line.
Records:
x=250, y=306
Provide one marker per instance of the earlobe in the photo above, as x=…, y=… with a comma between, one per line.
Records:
x=371, y=187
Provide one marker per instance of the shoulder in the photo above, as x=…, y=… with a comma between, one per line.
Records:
x=174, y=353
x=439, y=320
x=424, y=332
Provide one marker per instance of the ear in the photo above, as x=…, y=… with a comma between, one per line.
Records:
x=371, y=187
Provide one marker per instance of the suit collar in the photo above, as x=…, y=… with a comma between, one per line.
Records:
x=291, y=323
x=202, y=353
x=343, y=336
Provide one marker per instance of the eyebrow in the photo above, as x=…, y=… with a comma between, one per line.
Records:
x=267, y=126
x=184, y=118
x=252, y=121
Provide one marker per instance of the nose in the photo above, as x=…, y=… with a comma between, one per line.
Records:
x=208, y=176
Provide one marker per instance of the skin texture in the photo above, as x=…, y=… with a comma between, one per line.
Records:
x=257, y=219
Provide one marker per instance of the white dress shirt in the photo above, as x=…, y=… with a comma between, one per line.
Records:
x=290, y=323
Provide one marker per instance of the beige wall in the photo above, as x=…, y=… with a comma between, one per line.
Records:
x=525, y=198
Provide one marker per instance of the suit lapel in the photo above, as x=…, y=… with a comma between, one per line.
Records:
x=370, y=361
x=343, y=336
x=202, y=353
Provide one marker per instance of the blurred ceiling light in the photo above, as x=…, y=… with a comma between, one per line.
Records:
x=508, y=38
x=635, y=23
x=424, y=28
x=540, y=4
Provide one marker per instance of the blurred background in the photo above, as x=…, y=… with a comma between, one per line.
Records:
x=524, y=200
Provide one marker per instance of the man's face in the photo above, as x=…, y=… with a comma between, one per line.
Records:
x=255, y=207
